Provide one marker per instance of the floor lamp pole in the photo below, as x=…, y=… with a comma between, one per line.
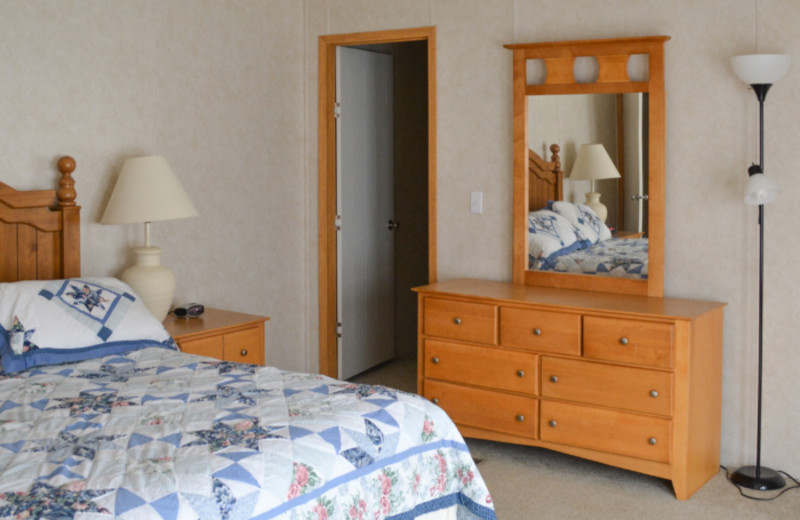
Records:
x=758, y=477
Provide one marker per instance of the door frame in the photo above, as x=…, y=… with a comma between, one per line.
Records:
x=328, y=356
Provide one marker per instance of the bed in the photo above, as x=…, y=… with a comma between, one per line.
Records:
x=568, y=237
x=127, y=426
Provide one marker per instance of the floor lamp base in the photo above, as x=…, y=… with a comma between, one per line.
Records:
x=762, y=479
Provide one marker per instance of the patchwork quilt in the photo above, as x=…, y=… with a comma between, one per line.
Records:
x=619, y=257
x=156, y=433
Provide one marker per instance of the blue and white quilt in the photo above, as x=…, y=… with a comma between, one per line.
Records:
x=159, y=434
x=617, y=257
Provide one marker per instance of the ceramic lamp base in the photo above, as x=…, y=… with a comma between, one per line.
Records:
x=593, y=201
x=151, y=281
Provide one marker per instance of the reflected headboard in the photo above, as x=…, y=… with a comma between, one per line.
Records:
x=545, y=179
x=40, y=230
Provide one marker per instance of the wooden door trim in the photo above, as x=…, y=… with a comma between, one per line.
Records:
x=328, y=359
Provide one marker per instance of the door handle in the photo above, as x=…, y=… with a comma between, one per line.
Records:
x=639, y=197
x=393, y=224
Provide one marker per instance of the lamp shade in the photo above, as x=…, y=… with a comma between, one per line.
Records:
x=761, y=69
x=760, y=190
x=147, y=191
x=593, y=163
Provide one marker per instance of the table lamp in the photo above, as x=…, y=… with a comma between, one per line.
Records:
x=148, y=191
x=593, y=163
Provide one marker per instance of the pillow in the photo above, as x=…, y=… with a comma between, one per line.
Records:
x=549, y=235
x=56, y=321
x=588, y=226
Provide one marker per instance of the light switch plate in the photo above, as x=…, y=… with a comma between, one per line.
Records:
x=476, y=202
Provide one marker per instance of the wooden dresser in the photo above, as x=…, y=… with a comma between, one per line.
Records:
x=630, y=381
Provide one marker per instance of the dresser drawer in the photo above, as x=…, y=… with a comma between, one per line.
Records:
x=209, y=346
x=622, y=433
x=542, y=331
x=628, y=341
x=466, y=321
x=484, y=409
x=244, y=346
x=481, y=366
x=636, y=389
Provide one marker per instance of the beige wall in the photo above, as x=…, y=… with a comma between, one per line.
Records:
x=227, y=91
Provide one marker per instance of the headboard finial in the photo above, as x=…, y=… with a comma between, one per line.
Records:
x=66, y=185
x=554, y=148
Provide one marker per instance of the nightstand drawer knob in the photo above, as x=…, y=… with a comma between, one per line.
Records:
x=520, y=418
x=554, y=379
x=435, y=361
x=552, y=424
x=623, y=340
x=457, y=321
x=653, y=393
x=435, y=400
x=243, y=352
x=537, y=332
x=652, y=441
x=521, y=373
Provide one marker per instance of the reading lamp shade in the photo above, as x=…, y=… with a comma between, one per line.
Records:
x=760, y=189
x=148, y=191
x=593, y=163
x=761, y=69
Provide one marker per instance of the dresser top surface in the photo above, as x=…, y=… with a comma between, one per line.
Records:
x=586, y=300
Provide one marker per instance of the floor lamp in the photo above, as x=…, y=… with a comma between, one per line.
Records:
x=760, y=71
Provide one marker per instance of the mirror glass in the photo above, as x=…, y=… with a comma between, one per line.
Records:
x=619, y=123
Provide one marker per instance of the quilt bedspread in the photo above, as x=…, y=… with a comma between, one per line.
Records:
x=156, y=433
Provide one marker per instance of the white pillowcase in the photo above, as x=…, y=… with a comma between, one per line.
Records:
x=55, y=321
x=549, y=234
x=588, y=225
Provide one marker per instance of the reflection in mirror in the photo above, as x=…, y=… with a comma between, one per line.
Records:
x=616, y=121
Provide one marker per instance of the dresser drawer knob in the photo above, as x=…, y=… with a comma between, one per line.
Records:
x=435, y=360
x=457, y=321
x=521, y=373
x=520, y=418
x=552, y=424
x=537, y=332
x=435, y=400
x=652, y=441
x=623, y=340
x=653, y=393
x=243, y=352
x=554, y=379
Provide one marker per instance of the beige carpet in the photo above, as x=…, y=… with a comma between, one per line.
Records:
x=533, y=483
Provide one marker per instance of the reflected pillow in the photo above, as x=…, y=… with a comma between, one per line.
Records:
x=56, y=321
x=588, y=226
x=549, y=235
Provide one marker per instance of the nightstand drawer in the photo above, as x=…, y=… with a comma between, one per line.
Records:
x=610, y=431
x=542, y=331
x=211, y=347
x=245, y=346
x=466, y=321
x=635, y=389
x=484, y=409
x=481, y=366
x=628, y=341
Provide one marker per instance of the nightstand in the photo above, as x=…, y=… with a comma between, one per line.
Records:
x=225, y=335
x=621, y=233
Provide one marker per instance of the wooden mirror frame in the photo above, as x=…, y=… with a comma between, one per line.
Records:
x=612, y=58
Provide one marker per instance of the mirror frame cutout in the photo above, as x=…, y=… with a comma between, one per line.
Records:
x=612, y=56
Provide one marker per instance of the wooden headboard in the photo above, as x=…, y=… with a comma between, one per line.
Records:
x=40, y=230
x=545, y=179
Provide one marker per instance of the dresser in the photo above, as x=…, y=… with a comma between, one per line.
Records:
x=225, y=335
x=630, y=381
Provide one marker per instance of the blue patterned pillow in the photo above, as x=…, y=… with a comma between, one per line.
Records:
x=56, y=321
x=588, y=226
x=549, y=235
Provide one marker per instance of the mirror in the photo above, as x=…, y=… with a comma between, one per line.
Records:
x=619, y=123
x=589, y=129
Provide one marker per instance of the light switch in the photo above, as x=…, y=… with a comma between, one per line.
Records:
x=476, y=202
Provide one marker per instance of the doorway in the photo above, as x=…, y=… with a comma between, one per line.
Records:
x=415, y=184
